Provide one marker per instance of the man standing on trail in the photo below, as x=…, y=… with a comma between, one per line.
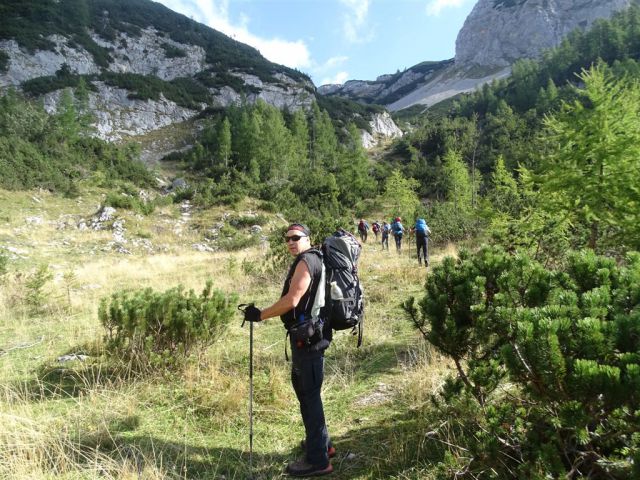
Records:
x=398, y=231
x=422, y=240
x=307, y=358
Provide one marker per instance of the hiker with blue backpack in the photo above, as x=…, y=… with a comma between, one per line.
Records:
x=422, y=232
x=321, y=293
x=386, y=229
x=398, y=231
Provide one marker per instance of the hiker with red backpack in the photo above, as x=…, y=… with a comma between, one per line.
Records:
x=295, y=308
x=363, y=229
x=375, y=228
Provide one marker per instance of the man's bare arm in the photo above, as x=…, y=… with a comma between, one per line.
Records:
x=299, y=285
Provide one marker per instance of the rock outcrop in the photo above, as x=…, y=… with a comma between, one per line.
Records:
x=117, y=114
x=498, y=32
x=383, y=128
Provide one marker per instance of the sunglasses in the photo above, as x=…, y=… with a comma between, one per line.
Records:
x=293, y=238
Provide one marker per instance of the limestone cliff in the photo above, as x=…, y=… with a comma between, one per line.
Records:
x=495, y=34
x=498, y=32
x=117, y=114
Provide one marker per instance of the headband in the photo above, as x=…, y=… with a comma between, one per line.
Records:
x=300, y=228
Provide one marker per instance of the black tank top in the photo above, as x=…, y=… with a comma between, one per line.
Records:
x=313, y=259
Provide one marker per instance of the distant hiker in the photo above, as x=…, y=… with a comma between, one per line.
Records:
x=398, y=231
x=307, y=359
x=375, y=228
x=386, y=228
x=422, y=240
x=363, y=229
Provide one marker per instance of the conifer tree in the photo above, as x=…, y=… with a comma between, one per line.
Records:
x=224, y=142
x=274, y=143
x=245, y=138
x=400, y=196
x=457, y=182
x=590, y=167
x=504, y=195
x=299, y=129
x=323, y=141
x=352, y=172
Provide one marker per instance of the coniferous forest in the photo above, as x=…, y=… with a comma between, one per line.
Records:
x=534, y=179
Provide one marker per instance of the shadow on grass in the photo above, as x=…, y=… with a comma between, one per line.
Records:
x=73, y=377
x=388, y=449
x=370, y=360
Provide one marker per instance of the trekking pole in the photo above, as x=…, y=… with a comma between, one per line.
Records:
x=242, y=309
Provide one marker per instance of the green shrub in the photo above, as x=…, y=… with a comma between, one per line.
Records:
x=152, y=329
x=129, y=202
x=171, y=51
x=184, y=193
x=453, y=225
x=36, y=296
x=186, y=92
x=243, y=221
x=237, y=241
x=549, y=357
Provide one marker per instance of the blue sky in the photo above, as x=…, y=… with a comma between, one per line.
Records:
x=337, y=40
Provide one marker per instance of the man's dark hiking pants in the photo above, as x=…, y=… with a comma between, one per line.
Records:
x=307, y=373
x=422, y=244
x=398, y=238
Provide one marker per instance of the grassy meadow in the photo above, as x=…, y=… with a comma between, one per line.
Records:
x=94, y=418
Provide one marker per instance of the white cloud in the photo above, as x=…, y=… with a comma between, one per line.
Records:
x=355, y=25
x=215, y=14
x=333, y=62
x=338, y=78
x=326, y=70
x=435, y=7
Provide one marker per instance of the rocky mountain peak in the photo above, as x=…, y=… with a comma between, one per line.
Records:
x=498, y=32
x=495, y=35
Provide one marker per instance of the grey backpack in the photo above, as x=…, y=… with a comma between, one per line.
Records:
x=344, y=299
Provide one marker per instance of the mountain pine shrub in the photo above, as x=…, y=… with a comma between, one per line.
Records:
x=548, y=363
x=163, y=329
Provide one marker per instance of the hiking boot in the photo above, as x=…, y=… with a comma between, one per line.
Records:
x=331, y=450
x=300, y=468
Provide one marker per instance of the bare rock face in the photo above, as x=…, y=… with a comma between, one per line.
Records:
x=498, y=32
x=383, y=128
x=118, y=116
x=147, y=56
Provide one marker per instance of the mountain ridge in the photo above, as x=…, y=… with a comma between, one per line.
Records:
x=146, y=66
x=496, y=34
